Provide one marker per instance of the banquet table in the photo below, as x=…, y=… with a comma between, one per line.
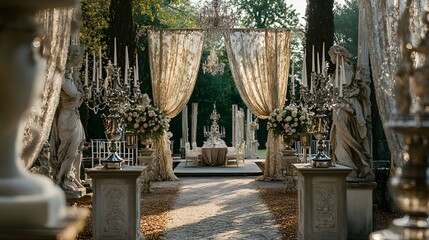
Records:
x=214, y=156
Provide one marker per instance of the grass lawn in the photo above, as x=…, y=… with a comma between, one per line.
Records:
x=261, y=153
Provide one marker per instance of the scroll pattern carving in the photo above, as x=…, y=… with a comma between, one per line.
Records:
x=324, y=205
x=115, y=204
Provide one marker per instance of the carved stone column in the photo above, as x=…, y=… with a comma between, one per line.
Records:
x=322, y=206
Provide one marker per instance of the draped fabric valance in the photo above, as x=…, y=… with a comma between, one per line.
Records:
x=174, y=58
x=259, y=62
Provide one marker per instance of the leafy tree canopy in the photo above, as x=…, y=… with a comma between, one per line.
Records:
x=266, y=14
x=346, y=19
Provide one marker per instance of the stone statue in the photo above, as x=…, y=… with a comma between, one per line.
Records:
x=68, y=135
x=349, y=136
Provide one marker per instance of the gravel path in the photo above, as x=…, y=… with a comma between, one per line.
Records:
x=221, y=208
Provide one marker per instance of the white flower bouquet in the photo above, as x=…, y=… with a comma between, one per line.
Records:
x=290, y=121
x=147, y=122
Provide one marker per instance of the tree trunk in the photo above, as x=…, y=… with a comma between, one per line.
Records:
x=122, y=27
x=320, y=27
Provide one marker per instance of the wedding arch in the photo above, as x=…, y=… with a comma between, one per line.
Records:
x=259, y=61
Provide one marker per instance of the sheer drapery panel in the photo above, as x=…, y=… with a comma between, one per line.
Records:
x=174, y=58
x=259, y=62
x=385, y=54
x=56, y=26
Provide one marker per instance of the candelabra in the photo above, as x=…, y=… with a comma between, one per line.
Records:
x=215, y=132
x=320, y=98
x=117, y=95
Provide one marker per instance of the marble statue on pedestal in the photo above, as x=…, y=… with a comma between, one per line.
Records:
x=349, y=136
x=68, y=136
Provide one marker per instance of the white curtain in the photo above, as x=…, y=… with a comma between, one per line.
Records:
x=174, y=58
x=385, y=55
x=56, y=26
x=259, y=62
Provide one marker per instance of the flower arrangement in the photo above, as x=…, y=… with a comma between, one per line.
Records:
x=290, y=121
x=147, y=122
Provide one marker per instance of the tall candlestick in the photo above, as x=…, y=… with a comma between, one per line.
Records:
x=97, y=88
x=293, y=77
x=86, y=70
x=127, y=66
x=135, y=74
x=115, y=62
x=323, y=59
x=304, y=71
x=137, y=68
x=336, y=73
x=93, y=66
x=311, y=85
x=101, y=65
x=343, y=75
x=318, y=63
x=312, y=61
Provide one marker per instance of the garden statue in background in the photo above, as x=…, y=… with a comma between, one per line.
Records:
x=349, y=138
x=68, y=136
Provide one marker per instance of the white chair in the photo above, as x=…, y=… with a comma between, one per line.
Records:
x=236, y=154
x=231, y=154
x=197, y=150
x=100, y=151
x=190, y=155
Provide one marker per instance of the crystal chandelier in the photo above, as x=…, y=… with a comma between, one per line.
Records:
x=216, y=19
x=212, y=64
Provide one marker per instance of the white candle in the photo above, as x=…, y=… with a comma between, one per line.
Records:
x=311, y=85
x=127, y=65
x=86, y=70
x=312, y=60
x=293, y=77
x=343, y=73
x=336, y=73
x=97, y=88
x=136, y=79
x=323, y=59
x=318, y=63
x=101, y=65
x=93, y=66
x=114, y=52
x=304, y=71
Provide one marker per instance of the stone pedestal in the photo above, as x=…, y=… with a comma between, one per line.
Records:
x=322, y=206
x=289, y=157
x=116, y=202
x=66, y=229
x=76, y=194
x=145, y=158
x=359, y=209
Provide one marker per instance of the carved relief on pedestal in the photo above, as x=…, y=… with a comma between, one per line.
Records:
x=115, y=206
x=324, y=206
